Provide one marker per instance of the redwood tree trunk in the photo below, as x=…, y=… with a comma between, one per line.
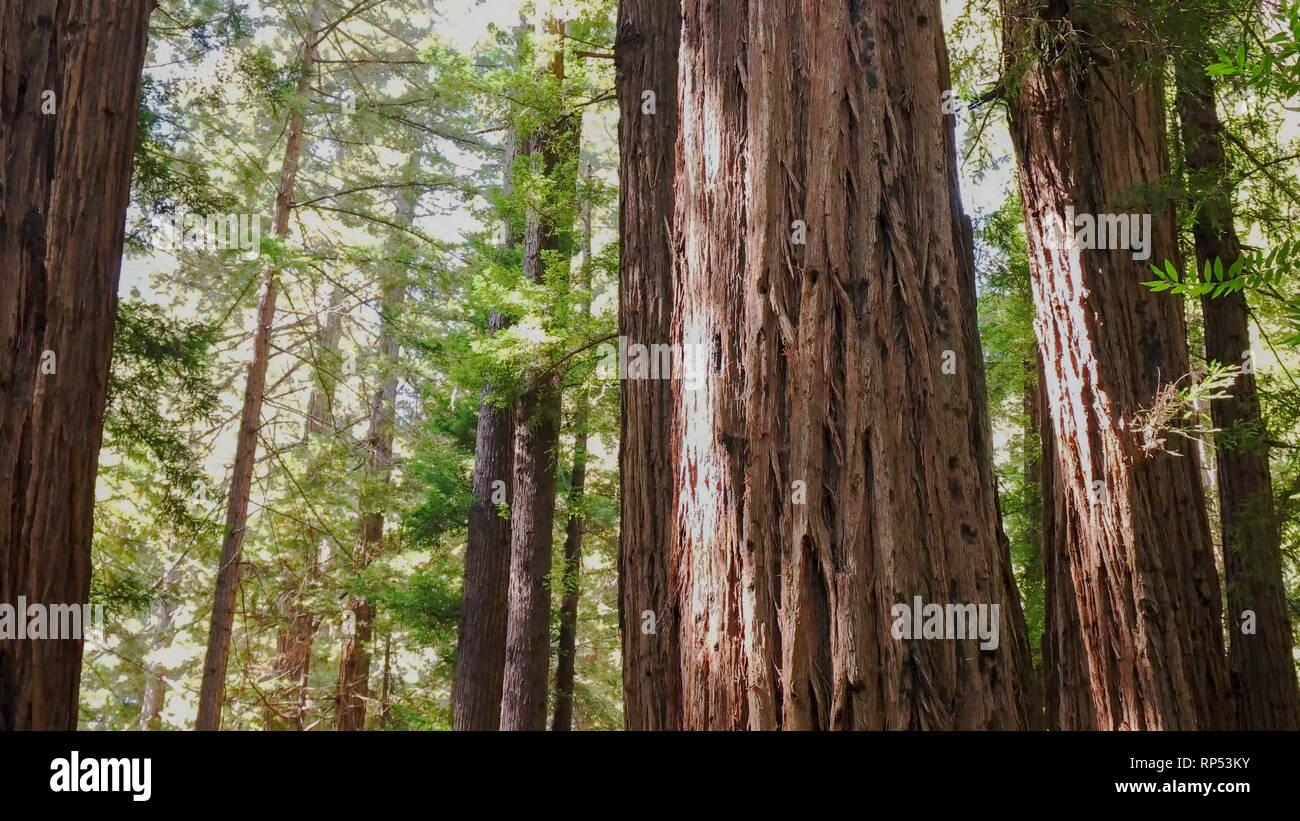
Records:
x=64, y=187
x=1263, y=677
x=648, y=37
x=564, y=657
x=836, y=460
x=481, y=642
x=213, y=688
x=536, y=438
x=564, y=661
x=1130, y=556
x=288, y=691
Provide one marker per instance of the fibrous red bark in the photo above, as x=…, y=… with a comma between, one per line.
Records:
x=836, y=459
x=1130, y=559
x=649, y=32
x=64, y=187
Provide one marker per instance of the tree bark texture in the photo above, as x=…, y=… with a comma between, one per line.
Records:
x=1130, y=559
x=836, y=460
x=649, y=33
x=65, y=183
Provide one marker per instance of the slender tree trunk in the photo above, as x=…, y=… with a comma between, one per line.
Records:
x=564, y=667
x=354, y=665
x=481, y=642
x=1263, y=677
x=649, y=33
x=822, y=272
x=1130, y=556
x=296, y=633
x=385, y=691
x=64, y=187
x=155, y=684
x=564, y=662
x=536, y=438
x=212, y=691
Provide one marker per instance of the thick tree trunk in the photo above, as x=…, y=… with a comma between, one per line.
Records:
x=64, y=187
x=649, y=33
x=354, y=665
x=1130, y=556
x=536, y=439
x=481, y=645
x=481, y=642
x=212, y=690
x=835, y=462
x=1263, y=677
x=1066, y=689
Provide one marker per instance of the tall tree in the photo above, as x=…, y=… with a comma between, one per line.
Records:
x=649, y=34
x=822, y=271
x=212, y=692
x=354, y=664
x=1263, y=677
x=565, y=661
x=547, y=243
x=286, y=707
x=481, y=642
x=70, y=86
x=1129, y=554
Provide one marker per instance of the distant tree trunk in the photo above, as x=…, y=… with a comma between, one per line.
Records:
x=293, y=645
x=565, y=661
x=385, y=692
x=536, y=438
x=1130, y=558
x=155, y=694
x=649, y=33
x=66, y=183
x=155, y=683
x=296, y=632
x=1263, y=676
x=481, y=642
x=354, y=665
x=564, y=667
x=212, y=690
x=834, y=461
